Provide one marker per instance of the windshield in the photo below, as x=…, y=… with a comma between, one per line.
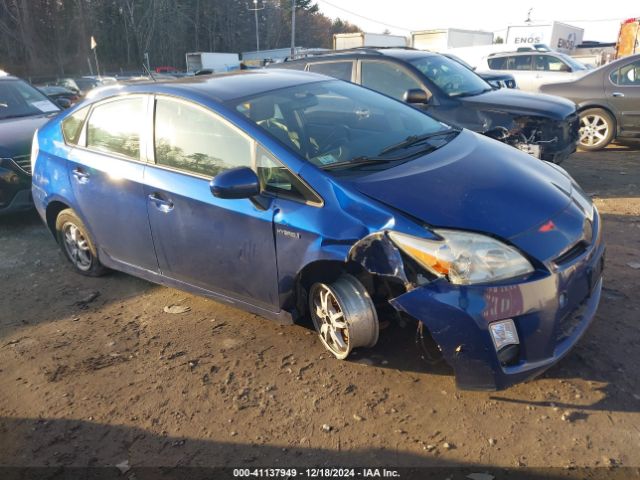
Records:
x=86, y=83
x=338, y=124
x=454, y=79
x=573, y=63
x=18, y=99
x=458, y=59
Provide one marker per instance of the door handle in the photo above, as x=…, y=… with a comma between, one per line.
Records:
x=617, y=94
x=160, y=203
x=81, y=175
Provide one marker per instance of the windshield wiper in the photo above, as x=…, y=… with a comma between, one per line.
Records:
x=473, y=93
x=21, y=115
x=357, y=162
x=416, y=139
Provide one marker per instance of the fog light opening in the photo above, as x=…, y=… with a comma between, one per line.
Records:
x=505, y=340
x=509, y=355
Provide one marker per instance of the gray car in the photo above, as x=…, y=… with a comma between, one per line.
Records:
x=608, y=100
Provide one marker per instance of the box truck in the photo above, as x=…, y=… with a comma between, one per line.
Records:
x=558, y=36
x=343, y=41
x=217, y=62
x=443, y=39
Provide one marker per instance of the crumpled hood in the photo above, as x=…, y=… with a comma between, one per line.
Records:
x=16, y=134
x=473, y=183
x=521, y=103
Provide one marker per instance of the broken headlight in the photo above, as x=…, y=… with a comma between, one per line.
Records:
x=464, y=258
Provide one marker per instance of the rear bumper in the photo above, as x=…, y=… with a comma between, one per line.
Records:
x=458, y=319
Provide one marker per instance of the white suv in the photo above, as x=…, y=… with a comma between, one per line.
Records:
x=533, y=69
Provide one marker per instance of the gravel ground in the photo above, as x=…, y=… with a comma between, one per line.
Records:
x=93, y=372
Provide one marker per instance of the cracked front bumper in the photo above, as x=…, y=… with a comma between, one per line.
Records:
x=550, y=313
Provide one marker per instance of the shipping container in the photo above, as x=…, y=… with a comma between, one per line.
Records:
x=217, y=62
x=443, y=39
x=343, y=41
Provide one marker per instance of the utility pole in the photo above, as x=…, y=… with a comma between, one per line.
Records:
x=293, y=29
x=255, y=12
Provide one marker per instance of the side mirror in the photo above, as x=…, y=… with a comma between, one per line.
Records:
x=241, y=182
x=63, y=102
x=415, y=95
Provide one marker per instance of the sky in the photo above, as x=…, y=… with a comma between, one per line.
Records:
x=600, y=20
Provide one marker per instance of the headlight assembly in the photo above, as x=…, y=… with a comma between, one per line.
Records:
x=464, y=258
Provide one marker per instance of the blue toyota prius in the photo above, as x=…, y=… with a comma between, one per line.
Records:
x=293, y=195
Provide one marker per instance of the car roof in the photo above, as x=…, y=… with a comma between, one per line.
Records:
x=219, y=87
x=406, y=54
x=523, y=52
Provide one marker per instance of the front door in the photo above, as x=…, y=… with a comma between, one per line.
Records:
x=224, y=246
x=106, y=174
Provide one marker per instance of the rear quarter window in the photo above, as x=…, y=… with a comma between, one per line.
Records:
x=72, y=126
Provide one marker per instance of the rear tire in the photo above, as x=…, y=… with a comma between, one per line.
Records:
x=76, y=244
x=597, y=129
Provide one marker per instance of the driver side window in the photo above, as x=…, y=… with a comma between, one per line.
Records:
x=194, y=140
x=387, y=78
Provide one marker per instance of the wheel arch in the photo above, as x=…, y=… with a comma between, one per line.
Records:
x=602, y=106
x=326, y=271
x=53, y=210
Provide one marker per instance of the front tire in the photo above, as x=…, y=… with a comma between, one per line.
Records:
x=76, y=244
x=344, y=315
x=597, y=129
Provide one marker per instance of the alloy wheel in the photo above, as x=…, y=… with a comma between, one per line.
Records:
x=329, y=320
x=77, y=246
x=594, y=130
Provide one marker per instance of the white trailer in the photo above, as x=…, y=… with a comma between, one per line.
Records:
x=558, y=36
x=217, y=62
x=443, y=39
x=343, y=41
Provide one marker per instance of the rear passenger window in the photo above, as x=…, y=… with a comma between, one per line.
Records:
x=390, y=79
x=520, y=62
x=192, y=139
x=339, y=70
x=72, y=126
x=116, y=127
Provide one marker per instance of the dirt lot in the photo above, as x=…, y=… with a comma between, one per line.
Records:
x=94, y=372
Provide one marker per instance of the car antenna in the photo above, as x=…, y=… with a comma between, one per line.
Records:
x=146, y=69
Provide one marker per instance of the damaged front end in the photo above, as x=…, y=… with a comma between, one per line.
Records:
x=544, y=138
x=493, y=334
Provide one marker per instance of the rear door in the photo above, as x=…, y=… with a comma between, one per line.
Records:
x=224, y=246
x=622, y=90
x=106, y=174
